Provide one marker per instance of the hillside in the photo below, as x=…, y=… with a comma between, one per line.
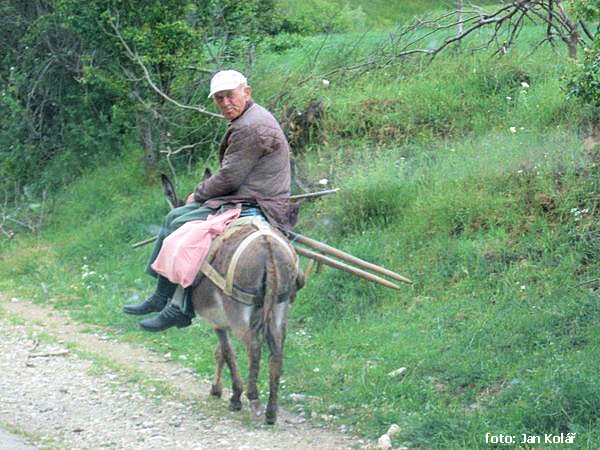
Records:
x=467, y=174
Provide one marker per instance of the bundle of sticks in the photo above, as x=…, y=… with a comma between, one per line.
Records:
x=322, y=258
x=324, y=254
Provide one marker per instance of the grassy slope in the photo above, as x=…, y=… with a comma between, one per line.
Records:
x=499, y=230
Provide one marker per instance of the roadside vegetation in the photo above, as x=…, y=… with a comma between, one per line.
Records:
x=467, y=174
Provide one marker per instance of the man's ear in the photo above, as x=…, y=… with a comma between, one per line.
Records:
x=248, y=91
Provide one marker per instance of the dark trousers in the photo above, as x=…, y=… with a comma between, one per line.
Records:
x=176, y=218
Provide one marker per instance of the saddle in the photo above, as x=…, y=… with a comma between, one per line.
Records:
x=225, y=281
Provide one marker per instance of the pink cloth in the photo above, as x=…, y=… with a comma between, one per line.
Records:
x=184, y=250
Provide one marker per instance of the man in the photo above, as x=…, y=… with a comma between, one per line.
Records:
x=254, y=173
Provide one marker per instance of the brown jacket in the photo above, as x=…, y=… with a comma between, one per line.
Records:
x=255, y=167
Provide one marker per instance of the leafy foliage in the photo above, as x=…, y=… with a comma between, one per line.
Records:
x=584, y=81
x=71, y=97
x=314, y=16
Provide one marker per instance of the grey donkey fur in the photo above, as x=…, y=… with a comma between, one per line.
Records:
x=267, y=270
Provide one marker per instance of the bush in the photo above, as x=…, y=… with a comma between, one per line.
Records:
x=584, y=81
x=313, y=16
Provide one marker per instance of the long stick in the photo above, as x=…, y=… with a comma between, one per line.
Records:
x=292, y=197
x=296, y=238
x=314, y=194
x=340, y=265
x=345, y=256
x=321, y=258
x=142, y=243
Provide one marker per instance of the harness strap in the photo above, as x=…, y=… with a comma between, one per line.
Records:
x=216, y=278
x=229, y=230
x=235, y=258
x=226, y=284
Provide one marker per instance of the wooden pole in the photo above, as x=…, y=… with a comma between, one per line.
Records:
x=314, y=194
x=147, y=241
x=327, y=249
x=340, y=265
x=292, y=197
x=322, y=259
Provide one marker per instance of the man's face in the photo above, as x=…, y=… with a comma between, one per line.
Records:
x=231, y=103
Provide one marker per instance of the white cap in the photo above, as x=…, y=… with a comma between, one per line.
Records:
x=226, y=80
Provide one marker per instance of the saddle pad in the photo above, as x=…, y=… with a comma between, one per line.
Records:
x=225, y=283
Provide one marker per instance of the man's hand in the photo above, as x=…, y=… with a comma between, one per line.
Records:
x=190, y=199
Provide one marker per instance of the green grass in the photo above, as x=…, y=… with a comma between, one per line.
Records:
x=487, y=230
x=489, y=203
x=496, y=333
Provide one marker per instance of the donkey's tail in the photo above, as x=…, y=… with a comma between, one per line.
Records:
x=272, y=280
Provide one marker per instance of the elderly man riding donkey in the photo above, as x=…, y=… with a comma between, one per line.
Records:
x=249, y=278
x=254, y=176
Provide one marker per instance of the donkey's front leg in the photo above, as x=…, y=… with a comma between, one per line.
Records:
x=229, y=356
x=275, y=339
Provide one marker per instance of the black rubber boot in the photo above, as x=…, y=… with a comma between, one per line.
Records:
x=156, y=302
x=170, y=316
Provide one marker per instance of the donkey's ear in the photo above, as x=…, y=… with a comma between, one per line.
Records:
x=169, y=191
x=207, y=173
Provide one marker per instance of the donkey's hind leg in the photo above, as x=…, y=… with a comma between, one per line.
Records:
x=276, y=332
x=254, y=345
x=228, y=354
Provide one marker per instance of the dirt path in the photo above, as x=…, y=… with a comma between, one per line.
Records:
x=65, y=385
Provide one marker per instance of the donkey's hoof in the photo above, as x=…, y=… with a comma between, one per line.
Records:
x=216, y=391
x=235, y=405
x=270, y=416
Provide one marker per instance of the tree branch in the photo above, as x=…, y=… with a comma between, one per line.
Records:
x=136, y=58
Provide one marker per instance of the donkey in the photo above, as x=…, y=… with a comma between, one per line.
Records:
x=267, y=271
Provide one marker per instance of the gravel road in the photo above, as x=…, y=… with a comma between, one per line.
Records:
x=64, y=385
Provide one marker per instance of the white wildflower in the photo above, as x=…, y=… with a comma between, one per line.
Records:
x=384, y=442
x=323, y=181
x=397, y=372
x=524, y=84
x=513, y=129
x=393, y=430
x=325, y=82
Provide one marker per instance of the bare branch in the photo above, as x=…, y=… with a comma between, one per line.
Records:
x=200, y=69
x=28, y=218
x=586, y=30
x=136, y=58
x=170, y=152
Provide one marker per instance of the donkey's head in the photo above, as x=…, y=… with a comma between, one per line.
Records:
x=171, y=193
